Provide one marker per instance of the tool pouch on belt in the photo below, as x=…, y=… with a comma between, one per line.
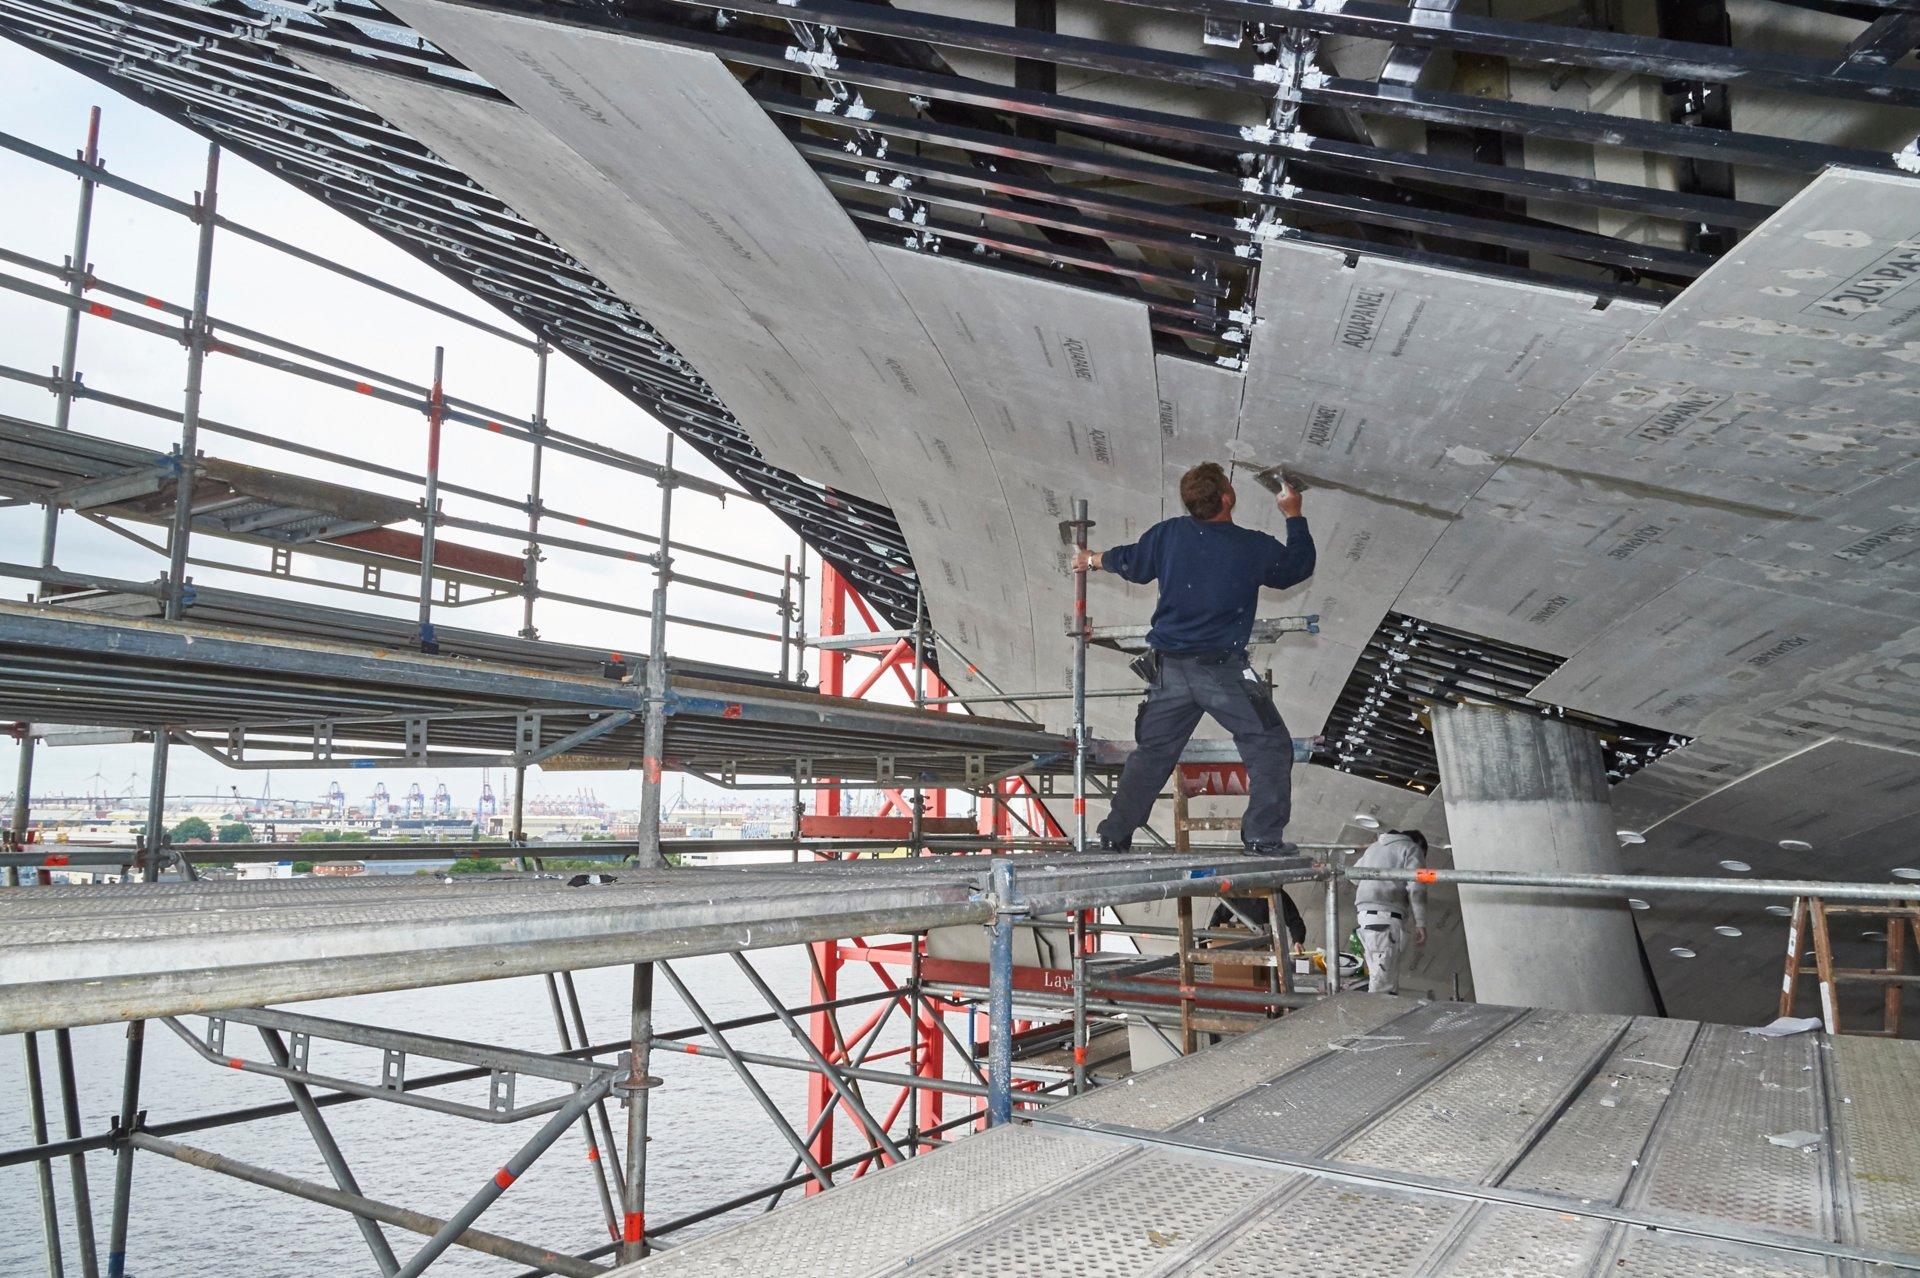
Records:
x=1146, y=665
x=1261, y=696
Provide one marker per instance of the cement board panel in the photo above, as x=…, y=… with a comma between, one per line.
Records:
x=1747, y=414
x=518, y=159
x=1709, y=647
x=1055, y=375
x=1783, y=375
x=674, y=130
x=1853, y=808
x=1199, y=417
x=1405, y=383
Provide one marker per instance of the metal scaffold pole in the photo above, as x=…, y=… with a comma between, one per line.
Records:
x=1333, y=921
x=78, y=271
x=1080, y=524
x=1000, y=997
x=77, y=1162
x=430, y=503
x=180, y=530
x=633, y=1230
x=124, y=1127
x=530, y=585
x=917, y=820
x=43, y=1170
x=654, y=734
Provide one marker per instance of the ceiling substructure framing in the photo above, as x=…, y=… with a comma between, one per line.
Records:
x=1170, y=207
x=1379, y=727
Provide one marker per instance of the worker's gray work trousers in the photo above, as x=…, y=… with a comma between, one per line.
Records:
x=1383, y=938
x=1184, y=689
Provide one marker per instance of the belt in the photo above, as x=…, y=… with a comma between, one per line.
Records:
x=1392, y=914
x=1204, y=658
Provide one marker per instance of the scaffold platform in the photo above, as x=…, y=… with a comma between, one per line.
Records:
x=1383, y=1135
x=319, y=701
x=79, y=955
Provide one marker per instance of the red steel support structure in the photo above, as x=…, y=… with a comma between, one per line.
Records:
x=839, y=605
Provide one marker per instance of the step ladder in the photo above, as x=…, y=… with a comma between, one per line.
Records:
x=1810, y=932
x=1269, y=952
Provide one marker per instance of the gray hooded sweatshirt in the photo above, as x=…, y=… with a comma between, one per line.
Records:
x=1392, y=852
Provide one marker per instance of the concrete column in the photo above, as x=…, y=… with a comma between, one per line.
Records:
x=1526, y=792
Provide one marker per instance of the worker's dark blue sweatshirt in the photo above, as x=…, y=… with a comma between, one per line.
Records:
x=1210, y=576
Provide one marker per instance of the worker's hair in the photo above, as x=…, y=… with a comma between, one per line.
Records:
x=1203, y=490
x=1416, y=836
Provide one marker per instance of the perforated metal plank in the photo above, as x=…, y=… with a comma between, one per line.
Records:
x=1474, y=1120
x=1330, y=1230
x=1161, y=1098
x=1647, y=1255
x=1875, y=1101
x=1592, y=1149
x=870, y=1225
x=1144, y=1215
x=1710, y=1158
x=1510, y=1242
x=1313, y=1108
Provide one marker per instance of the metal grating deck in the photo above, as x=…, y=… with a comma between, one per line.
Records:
x=1409, y=1140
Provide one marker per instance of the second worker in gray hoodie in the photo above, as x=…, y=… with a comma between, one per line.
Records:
x=1385, y=908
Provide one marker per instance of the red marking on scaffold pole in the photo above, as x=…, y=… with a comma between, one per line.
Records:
x=1079, y=807
x=154, y=302
x=1226, y=886
x=593, y=1153
x=732, y=710
x=363, y=388
x=653, y=770
x=693, y=1049
x=503, y=1178
x=58, y=858
x=236, y=1063
x=636, y=1226
x=99, y=308
x=1426, y=876
x=972, y=669
x=496, y=428
x=1079, y=1056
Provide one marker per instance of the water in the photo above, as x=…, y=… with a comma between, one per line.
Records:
x=710, y=1139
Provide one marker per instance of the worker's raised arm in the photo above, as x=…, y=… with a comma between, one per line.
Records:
x=1293, y=559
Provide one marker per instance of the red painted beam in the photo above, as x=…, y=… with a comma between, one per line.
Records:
x=879, y=827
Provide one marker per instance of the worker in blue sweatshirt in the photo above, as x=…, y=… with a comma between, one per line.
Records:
x=1210, y=571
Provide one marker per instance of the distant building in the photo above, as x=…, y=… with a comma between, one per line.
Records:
x=340, y=869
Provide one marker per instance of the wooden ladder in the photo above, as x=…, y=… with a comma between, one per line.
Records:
x=1275, y=957
x=1810, y=930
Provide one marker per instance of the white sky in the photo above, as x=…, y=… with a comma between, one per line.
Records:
x=138, y=246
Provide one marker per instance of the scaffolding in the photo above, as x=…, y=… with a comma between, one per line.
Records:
x=255, y=682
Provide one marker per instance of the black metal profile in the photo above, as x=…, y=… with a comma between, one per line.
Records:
x=1378, y=727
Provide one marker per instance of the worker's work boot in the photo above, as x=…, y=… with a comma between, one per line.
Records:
x=1115, y=845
